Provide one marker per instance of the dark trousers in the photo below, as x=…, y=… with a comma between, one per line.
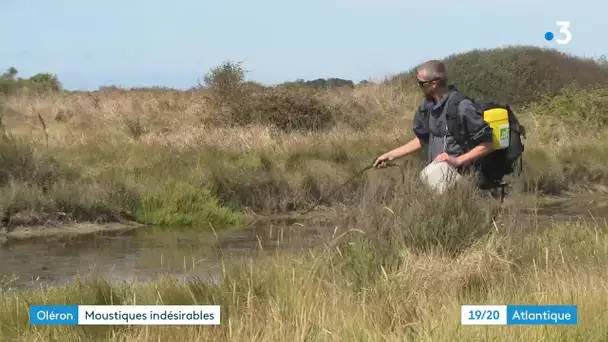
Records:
x=495, y=188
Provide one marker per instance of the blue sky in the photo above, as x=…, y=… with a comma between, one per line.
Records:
x=173, y=43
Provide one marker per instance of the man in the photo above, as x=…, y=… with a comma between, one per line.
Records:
x=430, y=126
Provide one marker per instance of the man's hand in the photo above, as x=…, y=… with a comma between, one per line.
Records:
x=381, y=161
x=451, y=160
x=413, y=145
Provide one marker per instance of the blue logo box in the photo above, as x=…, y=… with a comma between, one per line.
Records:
x=54, y=314
x=542, y=314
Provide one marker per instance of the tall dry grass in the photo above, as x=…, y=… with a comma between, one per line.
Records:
x=404, y=282
x=177, y=158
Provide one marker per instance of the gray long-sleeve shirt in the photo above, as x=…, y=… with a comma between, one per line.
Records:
x=430, y=126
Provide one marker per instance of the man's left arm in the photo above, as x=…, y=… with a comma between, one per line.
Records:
x=479, y=132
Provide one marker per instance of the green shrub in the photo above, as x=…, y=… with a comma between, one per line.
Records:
x=517, y=74
x=41, y=82
x=452, y=222
x=289, y=109
x=420, y=222
x=226, y=80
x=105, y=200
x=363, y=258
x=19, y=162
x=575, y=106
x=250, y=181
x=187, y=205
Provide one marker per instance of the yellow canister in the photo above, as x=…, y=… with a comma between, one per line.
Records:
x=498, y=119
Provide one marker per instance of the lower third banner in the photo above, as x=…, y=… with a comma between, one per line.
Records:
x=519, y=314
x=125, y=314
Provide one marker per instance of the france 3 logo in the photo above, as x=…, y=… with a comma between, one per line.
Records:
x=565, y=35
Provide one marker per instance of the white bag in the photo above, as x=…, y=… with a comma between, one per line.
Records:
x=440, y=176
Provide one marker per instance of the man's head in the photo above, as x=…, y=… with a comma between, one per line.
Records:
x=432, y=78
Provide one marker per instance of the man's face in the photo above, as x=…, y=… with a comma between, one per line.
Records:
x=426, y=85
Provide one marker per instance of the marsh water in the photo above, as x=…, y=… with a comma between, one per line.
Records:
x=150, y=252
x=146, y=253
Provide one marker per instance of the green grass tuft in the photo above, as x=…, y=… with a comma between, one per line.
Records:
x=185, y=204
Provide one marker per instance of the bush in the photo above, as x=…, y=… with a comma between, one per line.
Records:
x=420, y=222
x=249, y=181
x=37, y=189
x=19, y=162
x=45, y=82
x=517, y=74
x=185, y=205
x=288, y=109
x=41, y=82
x=575, y=107
x=226, y=80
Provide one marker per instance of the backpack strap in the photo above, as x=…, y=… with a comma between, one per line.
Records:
x=454, y=120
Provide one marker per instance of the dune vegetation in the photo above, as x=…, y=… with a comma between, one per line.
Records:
x=401, y=261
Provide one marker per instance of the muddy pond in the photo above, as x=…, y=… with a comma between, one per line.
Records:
x=146, y=253
x=150, y=252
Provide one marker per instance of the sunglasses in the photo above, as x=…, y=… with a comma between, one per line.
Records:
x=423, y=83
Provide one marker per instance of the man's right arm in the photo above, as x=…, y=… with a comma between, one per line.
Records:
x=421, y=132
x=412, y=146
